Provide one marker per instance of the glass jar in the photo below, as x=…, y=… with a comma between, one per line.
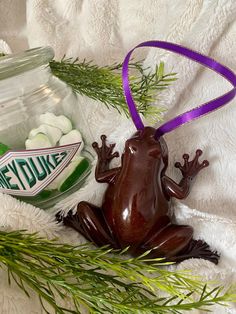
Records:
x=27, y=90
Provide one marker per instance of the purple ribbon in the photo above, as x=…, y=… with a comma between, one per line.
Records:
x=192, y=114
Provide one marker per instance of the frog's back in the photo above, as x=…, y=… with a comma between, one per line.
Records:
x=133, y=204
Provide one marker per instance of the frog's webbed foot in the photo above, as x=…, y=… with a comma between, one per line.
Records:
x=105, y=152
x=70, y=220
x=191, y=168
x=197, y=249
x=90, y=222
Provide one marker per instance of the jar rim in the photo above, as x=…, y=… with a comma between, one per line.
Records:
x=17, y=63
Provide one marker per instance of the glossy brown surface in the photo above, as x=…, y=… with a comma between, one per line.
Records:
x=136, y=209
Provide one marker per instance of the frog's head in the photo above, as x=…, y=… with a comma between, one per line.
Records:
x=144, y=145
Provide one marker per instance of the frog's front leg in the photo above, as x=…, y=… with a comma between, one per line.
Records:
x=105, y=155
x=189, y=170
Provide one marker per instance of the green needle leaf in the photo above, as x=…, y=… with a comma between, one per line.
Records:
x=105, y=84
x=102, y=280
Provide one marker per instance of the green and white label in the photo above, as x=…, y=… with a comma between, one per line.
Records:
x=26, y=173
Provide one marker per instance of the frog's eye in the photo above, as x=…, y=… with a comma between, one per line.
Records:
x=132, y=144
x=134, y=148
x=154, y=152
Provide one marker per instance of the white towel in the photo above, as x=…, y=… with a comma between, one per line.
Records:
x=104, y=31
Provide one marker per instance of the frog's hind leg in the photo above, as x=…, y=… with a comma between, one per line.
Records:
x=90, y=222
x=167, y=242
x=175, y=242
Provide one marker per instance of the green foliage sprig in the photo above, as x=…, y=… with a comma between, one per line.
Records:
x=100, y=282
x=105, y=83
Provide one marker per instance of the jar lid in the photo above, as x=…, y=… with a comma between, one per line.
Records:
x=18, y=63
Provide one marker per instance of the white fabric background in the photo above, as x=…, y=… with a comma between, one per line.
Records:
x=104, y=31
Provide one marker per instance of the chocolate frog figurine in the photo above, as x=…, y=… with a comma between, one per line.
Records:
x=136, y=206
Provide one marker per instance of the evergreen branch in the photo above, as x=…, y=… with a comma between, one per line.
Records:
x=99, y=281
x=105, y=83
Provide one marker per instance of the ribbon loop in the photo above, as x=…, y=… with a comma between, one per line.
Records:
x=192, y=114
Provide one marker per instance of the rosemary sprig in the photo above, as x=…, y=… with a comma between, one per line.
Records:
x=105, y=83
x=99, y=281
